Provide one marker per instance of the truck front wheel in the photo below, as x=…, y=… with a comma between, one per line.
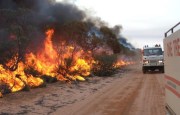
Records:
x=144, y=70
x=162, y=70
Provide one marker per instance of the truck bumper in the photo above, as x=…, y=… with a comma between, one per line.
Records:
x=153, y=68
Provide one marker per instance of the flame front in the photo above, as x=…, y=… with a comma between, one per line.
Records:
x=53, y=63
x=47, y=61
x=17, y=80
x=61, y=61
x=121, y=63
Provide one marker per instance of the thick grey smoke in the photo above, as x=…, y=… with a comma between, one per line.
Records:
x=65, y=13
x=122, y=40
x=29, y=19
x=59, y=12
x=125, y=42
x=33, y=17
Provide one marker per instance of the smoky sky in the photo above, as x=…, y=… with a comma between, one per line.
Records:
x=65, y=13
x=62, y=12
x=42, y=13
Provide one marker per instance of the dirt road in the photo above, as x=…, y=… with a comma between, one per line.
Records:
x=128, y=93
x=134, y=94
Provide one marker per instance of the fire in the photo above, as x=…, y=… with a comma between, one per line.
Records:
x=45, y=60
x=10, y=78
x=121, y=63
x=82, y=66
x=66, y=64
x=62, y=64
x=17, y=80
x=59, y=60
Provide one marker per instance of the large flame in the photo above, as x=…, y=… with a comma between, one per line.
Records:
x=66, y=64
x=17, y=80
x=49, y=60
x=60, y=61
x=45, y=60
x=121, y=63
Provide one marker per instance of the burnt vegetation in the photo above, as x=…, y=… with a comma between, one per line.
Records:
x=22, y=27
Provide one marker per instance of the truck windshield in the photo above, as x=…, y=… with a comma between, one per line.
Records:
x=153, y=51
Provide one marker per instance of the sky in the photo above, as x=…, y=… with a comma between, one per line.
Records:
x=144, y=22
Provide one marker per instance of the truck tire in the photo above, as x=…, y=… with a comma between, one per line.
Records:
x=162, y=70
x=144, y=70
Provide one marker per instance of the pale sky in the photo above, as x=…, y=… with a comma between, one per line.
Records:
x=144, y=21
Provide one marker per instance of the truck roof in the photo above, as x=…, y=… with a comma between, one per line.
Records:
x=156, y=46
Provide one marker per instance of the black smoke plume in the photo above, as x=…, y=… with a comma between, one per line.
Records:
x=24, y=22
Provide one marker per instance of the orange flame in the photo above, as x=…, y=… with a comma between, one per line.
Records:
x=47, y=61
x=121, y=63
x=17, y=80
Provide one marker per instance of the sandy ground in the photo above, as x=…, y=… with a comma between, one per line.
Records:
x=127, y=93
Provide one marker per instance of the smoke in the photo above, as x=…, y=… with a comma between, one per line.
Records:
x=7, y=4
x=125, y=42
x=33, y=17
x=117, y=30
x=65, y=13
x=29, y=19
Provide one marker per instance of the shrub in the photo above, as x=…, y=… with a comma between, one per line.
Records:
x=104, y=65
x=4, y=88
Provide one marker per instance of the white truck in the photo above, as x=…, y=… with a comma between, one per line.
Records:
x=152, y=59
x=172, y=70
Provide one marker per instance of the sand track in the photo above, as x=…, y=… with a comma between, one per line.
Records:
x=128, y=93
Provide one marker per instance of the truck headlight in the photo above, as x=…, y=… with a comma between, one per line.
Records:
x=146, y=61
x=160, y=61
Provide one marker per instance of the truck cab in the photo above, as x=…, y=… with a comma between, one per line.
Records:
x=152, y=59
